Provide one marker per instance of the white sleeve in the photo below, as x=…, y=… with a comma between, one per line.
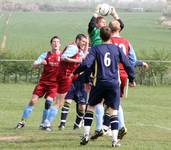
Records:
x=70, y=51
x=40, y=58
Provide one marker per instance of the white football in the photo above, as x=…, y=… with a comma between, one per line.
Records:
x=104, y=9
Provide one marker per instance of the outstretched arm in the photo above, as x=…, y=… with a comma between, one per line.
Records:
x=40, y=60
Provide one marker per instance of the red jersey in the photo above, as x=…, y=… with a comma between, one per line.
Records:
x=51, y=69
x=67, y=68
x=125, y=46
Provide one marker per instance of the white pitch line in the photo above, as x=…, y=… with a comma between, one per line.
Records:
x=156, y=126
x=3, y=44
x=161, y=127
x=7, y=22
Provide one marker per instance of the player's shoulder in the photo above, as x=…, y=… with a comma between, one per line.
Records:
x=72, y=46
x=44, y=54
x=119, y=38
x=105, y=47
x=124, y=40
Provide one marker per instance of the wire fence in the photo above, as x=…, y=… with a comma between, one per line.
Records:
x=17, y=71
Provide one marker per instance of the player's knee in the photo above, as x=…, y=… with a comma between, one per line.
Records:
x=91, y=108
x=32, y=102
x=68, y=101
x=48, y=104
x=112, y=111
x=82, y=108
x=66, y=104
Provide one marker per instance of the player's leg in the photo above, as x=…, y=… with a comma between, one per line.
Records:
x=54, y=110
x=122, y=128
x=64, y=113
x=48, y=102
x=81, y=100
x=106, y=122
x=114, y=126
x=63, y=86
x=99, y=121
x=95, y=98
x=27, y=111
x=49, y=97
x=88, y=119
x=112, y=100
x=80, y=114
x=65, y=108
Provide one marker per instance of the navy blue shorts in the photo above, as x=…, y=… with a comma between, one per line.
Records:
x=107, y=90
x=77, y=92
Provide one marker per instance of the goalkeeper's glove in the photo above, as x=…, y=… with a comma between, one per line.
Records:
x=113, y=13
x=97, y=9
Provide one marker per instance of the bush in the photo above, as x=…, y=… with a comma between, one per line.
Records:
x=159, y=67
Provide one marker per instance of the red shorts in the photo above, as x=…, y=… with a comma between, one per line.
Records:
x=63, y=84
x=46, y=89
x=123, y=78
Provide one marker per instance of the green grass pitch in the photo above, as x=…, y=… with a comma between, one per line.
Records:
x=147, y=113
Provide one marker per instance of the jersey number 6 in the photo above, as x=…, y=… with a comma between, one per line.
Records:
x=107, y=60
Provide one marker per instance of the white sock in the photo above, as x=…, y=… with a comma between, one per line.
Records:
x=86, y=130
x=115, y=135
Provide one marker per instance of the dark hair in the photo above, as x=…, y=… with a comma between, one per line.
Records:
x=54, y=37
x=80, y=36
x=105, y=33
x=115, y=28
x=99, y=18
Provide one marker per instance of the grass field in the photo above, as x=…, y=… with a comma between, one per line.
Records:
x=28, y=33
x=147, y=112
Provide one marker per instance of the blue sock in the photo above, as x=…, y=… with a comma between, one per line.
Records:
x=52, y=114
x=45, y=114
x=99, y=117
x=27, y=111
x=121, y=117
x=46, y=110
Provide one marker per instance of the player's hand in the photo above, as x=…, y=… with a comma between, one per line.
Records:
x=86, y=48
x=80, y=59
x=113, y=13
x=97, y=9
x=132, y=84
x=44, y=62
x=145, y=66
x=35, y=66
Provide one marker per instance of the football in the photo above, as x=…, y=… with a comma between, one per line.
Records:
x=104, y=9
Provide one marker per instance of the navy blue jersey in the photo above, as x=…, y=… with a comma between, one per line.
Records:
x=106, y=58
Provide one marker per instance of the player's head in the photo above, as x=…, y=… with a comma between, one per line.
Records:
x=81, y=40
x=100, y=22
x=55, y=43
x=115, y=26
x=105, y=33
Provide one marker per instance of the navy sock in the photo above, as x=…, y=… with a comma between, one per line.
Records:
x=64, y=113
x=79, y=117
x=106, y=120
x=88, y=118
x=114, y=122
